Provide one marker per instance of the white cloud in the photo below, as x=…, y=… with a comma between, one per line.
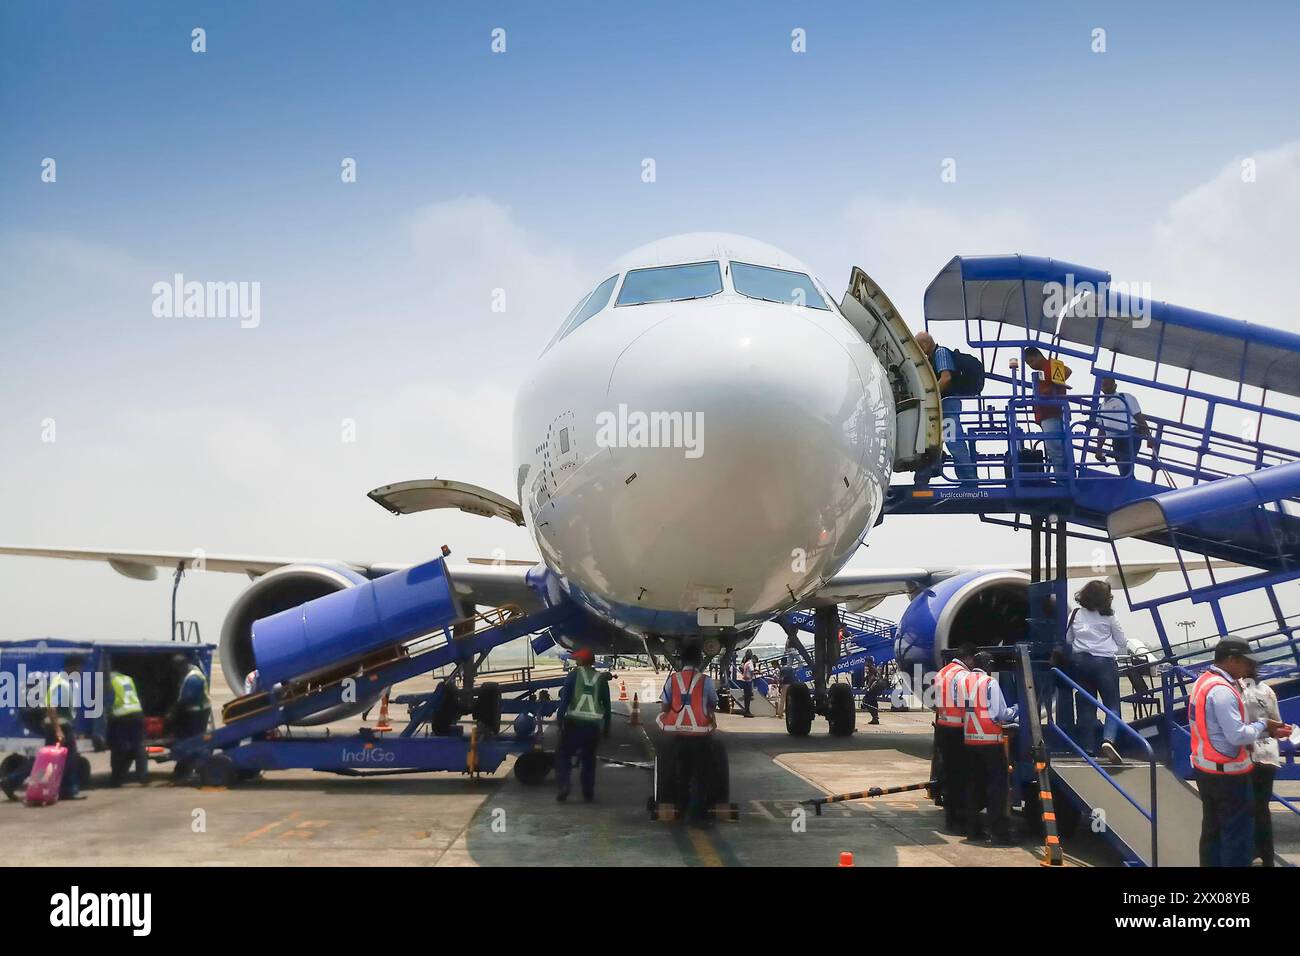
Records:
x=1230, y=246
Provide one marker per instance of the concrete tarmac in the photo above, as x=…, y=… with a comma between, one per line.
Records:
x=316, y=819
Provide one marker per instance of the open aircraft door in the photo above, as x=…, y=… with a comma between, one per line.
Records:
x=918, y=411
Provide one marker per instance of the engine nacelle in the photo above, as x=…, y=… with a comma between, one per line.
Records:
x=984, y=608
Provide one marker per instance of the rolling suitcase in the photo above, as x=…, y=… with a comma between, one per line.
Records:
x=46, y=776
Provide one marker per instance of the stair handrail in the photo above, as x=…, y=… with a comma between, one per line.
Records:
x=1142, y=741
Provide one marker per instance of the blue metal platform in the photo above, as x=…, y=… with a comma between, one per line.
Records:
x=1202, y=481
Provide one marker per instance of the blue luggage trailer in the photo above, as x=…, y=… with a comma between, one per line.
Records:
x=342, y=651
x=25, y=666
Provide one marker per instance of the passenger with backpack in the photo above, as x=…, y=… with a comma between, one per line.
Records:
x=960, y=376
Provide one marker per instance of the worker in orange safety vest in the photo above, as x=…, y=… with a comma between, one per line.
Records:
x=985, y=713
x=949, y=740
x=1216, y=718
x=687, y=713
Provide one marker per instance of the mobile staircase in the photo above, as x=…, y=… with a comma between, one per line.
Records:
x=1215, y=478
x=262, y=731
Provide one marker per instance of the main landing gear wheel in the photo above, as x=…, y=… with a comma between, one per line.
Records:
x=840, y=711
x=532, y=767
x=798, y=710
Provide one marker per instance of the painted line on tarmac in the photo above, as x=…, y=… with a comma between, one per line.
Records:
x=260, y=831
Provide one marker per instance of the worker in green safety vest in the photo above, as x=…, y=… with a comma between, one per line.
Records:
x=126, y=730
x=583, y=716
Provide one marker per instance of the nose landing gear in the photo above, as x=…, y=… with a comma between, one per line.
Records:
x=834, y=701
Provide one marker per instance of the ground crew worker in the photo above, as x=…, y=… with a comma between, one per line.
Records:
x=986, y=713
x=949, y=738
x=687, y=711
x=1216, y=717
x=584, y=710
x=126, y=731
x=190, y=714
x=60, y=695
x=747, y=683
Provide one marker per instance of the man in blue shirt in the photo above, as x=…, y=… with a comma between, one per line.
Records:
x=945, y=370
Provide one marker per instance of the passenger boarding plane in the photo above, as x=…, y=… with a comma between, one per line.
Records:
x=704, y=444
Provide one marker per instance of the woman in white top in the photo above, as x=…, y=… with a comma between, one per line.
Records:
x=1261, y=704
x=1096, y=640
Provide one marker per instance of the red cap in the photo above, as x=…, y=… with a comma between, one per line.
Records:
x=584, y=655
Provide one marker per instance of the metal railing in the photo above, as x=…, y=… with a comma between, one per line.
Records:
x=1151, y=816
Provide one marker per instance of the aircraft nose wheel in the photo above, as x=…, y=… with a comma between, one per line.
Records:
x=798, y=710
x=840, y=711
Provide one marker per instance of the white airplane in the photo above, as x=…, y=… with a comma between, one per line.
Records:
x=703, y=446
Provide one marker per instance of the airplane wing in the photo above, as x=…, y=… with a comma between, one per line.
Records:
x=866, y=587
x=496, y=583
x=489, y=584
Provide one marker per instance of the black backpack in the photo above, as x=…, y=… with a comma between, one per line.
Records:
x=968, y=376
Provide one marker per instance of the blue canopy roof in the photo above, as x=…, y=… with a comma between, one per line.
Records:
x=1187, y=507
x=1016, y=290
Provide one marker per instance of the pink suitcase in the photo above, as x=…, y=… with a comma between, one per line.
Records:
x=46, y=776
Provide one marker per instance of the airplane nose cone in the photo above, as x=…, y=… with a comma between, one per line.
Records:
x=749, y=439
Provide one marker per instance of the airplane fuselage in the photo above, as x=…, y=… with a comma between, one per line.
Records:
x=718, y=452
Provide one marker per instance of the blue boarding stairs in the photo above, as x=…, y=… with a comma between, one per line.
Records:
x=1214, y=477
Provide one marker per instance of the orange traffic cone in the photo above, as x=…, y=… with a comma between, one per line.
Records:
x=383, y=727
x=846, y=858
x=635, y=719
x=622, y=690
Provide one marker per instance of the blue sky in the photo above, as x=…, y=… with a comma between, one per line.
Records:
x=522, y=170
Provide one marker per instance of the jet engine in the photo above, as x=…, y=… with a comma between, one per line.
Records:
x=984, y=608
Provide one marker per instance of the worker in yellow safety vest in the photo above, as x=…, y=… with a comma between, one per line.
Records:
x=953, y=772
x=584, y=715
x=1216, y=717
x=126, y=731
x=688, y=713
x=985, y=713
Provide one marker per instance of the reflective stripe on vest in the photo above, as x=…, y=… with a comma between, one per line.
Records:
x=585, y=705
x=686, y=714
x=126, y=701
x=981, y=730
x=947, y=712
x=1204, y=756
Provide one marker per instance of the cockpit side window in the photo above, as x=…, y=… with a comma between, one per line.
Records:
x=696, y=280
x=587, y=306
x=776, y=285
x=595, y=302
x=559, y=333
